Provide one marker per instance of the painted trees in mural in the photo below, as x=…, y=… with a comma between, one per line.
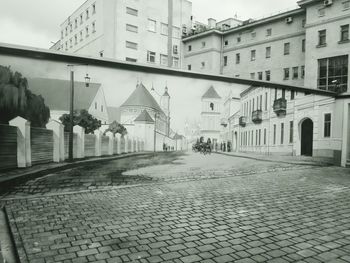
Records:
x=116, y=127
x=17, y=100
x=82, y=118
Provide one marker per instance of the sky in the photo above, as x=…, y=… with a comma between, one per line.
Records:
x=36, y=22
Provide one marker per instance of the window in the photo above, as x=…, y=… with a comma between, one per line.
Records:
x=239, y=39
x=175, y=49
x=274, y=134
x=303, y=23
x=81, y=19
x=346, y=5
x=71, y=27
x=253, y=34
x=70, y=43
x=151, y=56
x=132, y=11
x=212, y=106
x=101, y=54
x=268, y=52
x=131, y=45
x=163, y=60
x=322, y=11
x=131, y=28
x=66, y=45
x=344, y=33
x=75, y=39
x=282, y=133
x=226, y=43
x=130, y=59
x=225, y=61
x=101, y=108
x=87, y=31
x=203, y=44
x=303, y=45
x=202, y=65
x=81, y=35
x=259, y=137
x=152, y=25
x=189, y=67
x=333, y=73
x=176, y=32
x=322, y=37
x=276, y=94
x=268, y=32
x=268, y=75
x=286, y=48
x=93, y=27
x=283, y=93
x=295, y=72
x=75, y=23
x=265, y=100
x=260, y=75
x=94, y=9
x=164, y=29
x=87, y=14
x=238, y=58
x=292, y=95
x=253, y=55
x=189, y=48
x=66, y=31
x=264, y=136
x=260, y=106
x=302, y=69
x=286, y=73
x=327, y=125
x=252, y=75
x=175, y=62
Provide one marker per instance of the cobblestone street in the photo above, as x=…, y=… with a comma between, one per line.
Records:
x=184, y=208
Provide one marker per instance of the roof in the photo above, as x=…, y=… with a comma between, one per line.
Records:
x=113, y=114
x=211, y=94
x=56, y=93
x=144, y=117
x=142, y=97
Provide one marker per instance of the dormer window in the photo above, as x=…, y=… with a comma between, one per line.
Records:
x=212, y=106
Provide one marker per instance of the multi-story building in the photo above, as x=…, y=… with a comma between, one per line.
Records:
x=134, y=31
x=303, y=52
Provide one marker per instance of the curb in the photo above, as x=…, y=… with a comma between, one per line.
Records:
x=64, y=166
x=321, y=164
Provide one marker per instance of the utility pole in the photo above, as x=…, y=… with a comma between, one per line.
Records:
x=71, y=123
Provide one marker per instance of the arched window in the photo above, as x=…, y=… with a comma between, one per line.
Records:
x=212, y=106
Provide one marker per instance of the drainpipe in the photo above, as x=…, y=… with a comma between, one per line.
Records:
x=170, y=33
x=221, y=55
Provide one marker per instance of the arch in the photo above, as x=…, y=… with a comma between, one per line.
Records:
x=306, y=136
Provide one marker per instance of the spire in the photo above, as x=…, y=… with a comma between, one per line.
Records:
x=166, y=94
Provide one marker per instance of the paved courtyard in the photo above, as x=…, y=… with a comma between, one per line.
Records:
x=184, y=208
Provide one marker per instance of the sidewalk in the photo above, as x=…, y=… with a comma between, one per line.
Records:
x=43, y=169
x=298, y=160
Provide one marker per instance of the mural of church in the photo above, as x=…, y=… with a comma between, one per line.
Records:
x=142, y=100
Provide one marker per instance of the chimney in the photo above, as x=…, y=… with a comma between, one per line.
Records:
x=212, y=23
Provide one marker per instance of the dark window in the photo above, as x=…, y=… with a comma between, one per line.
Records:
x=274, y=134
x=268, y=75
x=189, y=67
x=322, y=38
x=131, y=59
x=252, y=55
x=302, y=69
x=283, y=93
x=226, y=42
x=275, y=94
x=333, y=73
x=260, y=75
x=282, y=133
x=265, y=100
x=264, y=136
x=295, y=72
x=286, y=73
x=238, y=58
x=286, y=48
x=292, y=95
x=268, y=52
x=303, y=45
x=225, y=61
x=259, y=137
x=238, y=39
x=291, y=131
x=212, y=106
x=344, y=33
x=327, y=125
x=189, y=48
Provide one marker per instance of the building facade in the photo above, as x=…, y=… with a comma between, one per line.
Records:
x=134, y=31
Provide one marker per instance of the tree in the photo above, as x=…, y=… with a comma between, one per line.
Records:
x=17, y=100
x=82, y=118
x=116, y=127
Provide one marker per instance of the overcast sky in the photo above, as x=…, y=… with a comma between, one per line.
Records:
x=36, y=22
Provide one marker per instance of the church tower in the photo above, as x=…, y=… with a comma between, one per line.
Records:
x=165, y=105
x=210, y=115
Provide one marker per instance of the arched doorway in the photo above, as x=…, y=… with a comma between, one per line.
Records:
x=307, y=130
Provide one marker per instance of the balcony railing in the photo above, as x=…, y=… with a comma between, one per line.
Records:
x=280, y=106
x=257, y=116
x=242, y=121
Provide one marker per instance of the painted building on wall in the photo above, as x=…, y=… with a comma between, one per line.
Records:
x=134, y=31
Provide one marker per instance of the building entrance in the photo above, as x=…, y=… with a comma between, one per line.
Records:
x=307, y=130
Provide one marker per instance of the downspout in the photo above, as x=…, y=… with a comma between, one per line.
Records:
x=221, y=55
x=170, y=33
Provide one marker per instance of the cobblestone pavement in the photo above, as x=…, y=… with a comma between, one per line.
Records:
x=233, y=210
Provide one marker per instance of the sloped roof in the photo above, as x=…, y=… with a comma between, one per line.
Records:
x=144, y=117
x=113, y=114
x=56, y=93
x=142, y=97
x=211, y=94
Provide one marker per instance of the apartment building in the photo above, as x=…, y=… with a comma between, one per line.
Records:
x=134, y=31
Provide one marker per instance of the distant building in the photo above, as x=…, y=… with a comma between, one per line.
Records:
x=211, y=115
x=134, y=31
x=141, y=102
x=56, y=94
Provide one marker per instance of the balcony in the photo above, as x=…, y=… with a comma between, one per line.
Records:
x=242, y=121
x=280, y=106
x=257, y=116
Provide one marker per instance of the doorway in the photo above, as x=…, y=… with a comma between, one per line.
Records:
x=307, y=130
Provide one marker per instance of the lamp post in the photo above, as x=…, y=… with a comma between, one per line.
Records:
x=71, y=109
x=155, y=131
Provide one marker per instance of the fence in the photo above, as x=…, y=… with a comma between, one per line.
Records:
x=22, y=145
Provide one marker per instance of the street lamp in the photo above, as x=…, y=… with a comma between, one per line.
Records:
x=71, y=108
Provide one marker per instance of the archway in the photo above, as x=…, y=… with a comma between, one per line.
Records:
x=307, y=130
